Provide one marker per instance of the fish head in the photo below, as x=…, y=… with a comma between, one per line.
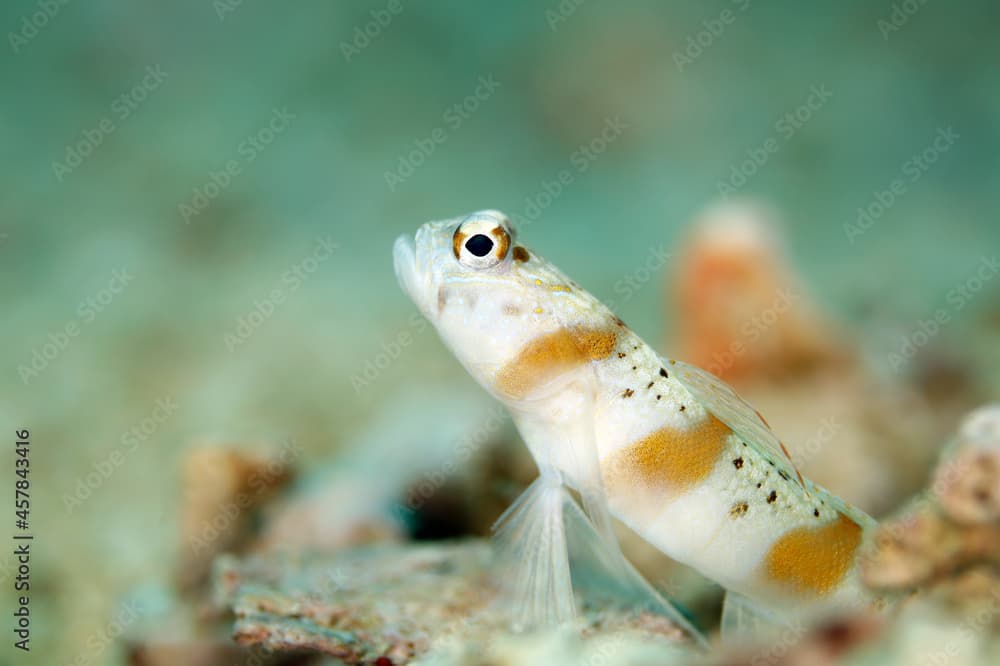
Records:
x=488, y=297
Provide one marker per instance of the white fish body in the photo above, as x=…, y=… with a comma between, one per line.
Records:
x=669, y=449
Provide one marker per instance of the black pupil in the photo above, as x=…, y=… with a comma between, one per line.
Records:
x=479, y=245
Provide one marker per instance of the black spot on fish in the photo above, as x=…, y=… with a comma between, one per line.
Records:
x=622, y=354
x=650, y=385
x=738, y=463
x=683, y=407
x=663, y=373
x=659, y=397
x=739, y=509
x=772, y=497
x=816, y=512
x=628, y=393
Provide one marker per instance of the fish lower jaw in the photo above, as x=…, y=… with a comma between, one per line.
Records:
x=404, y=259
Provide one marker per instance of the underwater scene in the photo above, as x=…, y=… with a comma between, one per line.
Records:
x=446, y=333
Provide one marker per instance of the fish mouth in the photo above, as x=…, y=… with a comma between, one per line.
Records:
x=404, y=261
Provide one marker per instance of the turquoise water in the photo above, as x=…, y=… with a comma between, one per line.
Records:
x=209, y=151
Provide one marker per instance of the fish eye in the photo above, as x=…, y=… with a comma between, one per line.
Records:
x=481, y=241
x=479, y=245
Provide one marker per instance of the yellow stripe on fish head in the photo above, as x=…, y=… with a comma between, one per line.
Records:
x=551, y=355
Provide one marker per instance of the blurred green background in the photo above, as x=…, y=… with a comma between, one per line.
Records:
x=118, y=122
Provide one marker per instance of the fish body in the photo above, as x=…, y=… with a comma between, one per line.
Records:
x=672, y=451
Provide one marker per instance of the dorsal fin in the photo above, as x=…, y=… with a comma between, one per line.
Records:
x=725, y=404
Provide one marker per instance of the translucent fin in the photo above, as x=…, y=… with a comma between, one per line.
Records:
x=605, y=578
x=548, y=548
x=534, y=555
x=725, y=404
x=744, y=620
